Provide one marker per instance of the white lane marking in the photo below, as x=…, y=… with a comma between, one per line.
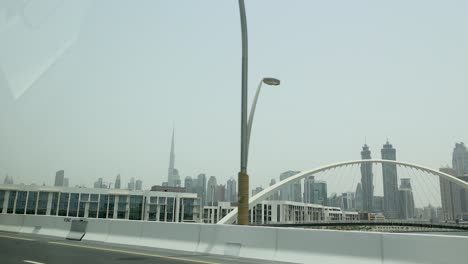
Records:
x=33, y=262
x=20, y=238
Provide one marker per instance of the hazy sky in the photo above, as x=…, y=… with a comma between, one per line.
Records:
x=94, y=88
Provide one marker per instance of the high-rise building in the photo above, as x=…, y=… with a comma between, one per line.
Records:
x=378, y=204
x=117, y=182
x=99, y=184
x=201, y=188
x=66, y=182
x=406, y=199
x=291, y=192
x=315, y=192
x=189, y=184
x=131, y=184
x=460, y=159
x=173, y=178
x=348, y=201
x=8, y=180
x=390, y=182
x=138, y=185
x=211, y=190
x=220, y=193
x=59, y=175
x=449, y=194
x=275, y=196
x=367, y=180
x=359, y=198
x=231, y=191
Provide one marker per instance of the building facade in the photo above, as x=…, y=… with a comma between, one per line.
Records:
x=291, y=192
x=99, y=203
x=59, y=175
x=231, y=191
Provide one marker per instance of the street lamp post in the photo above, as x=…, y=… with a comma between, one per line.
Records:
x=246, y=124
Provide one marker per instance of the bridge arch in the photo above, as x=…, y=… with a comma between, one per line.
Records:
x=232, y=216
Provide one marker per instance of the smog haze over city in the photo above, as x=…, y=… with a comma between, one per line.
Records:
x=100, y=93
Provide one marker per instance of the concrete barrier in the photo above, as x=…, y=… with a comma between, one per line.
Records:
x=11, y=223
x=97, y=230
x=124, y=232
x=267, y=243
x=326, y=246
x=238, y=241
x=180, y=236
x=428, y=249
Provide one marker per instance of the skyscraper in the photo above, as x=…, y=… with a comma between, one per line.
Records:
x=257, y=190
x=131, y=184
x=173, y=178
x=66, y=182
x=231, y=191
x=406, y=200
x=220, y=193
x=188, y=184
x=359, y=198
x=59, y=175
x=449, y=194
x=211, y=190
x=201, y=188
x=275, y=195
x=315, y=192
x=390, y=182
x=138, y=185
x=291, y=192
x=460, y=165
x=117, y=182
x=99, y=184
x=367, y=180
x=460, y=159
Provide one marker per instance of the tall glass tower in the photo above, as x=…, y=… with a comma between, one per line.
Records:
x=367, y=180
x=390, y=182
x=173, y=178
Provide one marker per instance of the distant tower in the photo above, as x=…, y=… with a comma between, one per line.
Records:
x=201, y=188
x=211, y=190
x=406, y=200
x=173, y=178
x=359, y=198
x=117, y=182
x=231, y=191
x=390, y=182
x=367, y=180
x=131, y=184
x=138, y=185
x=293, y=191
x=275, y=195
x=59, y=175
x=460, y=159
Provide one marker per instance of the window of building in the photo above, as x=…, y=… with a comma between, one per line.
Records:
x=94, y=197
x=152, y=211
x=84, y=198
x=170, y=209
x=21, y=202
x=2, y=198
x=110, y=211
x=42, y=203
x=103, y=201
x=11, y=202
x=93, y=209
x=122, y=207
x=63, y=204
x=162, y=213
x=136, y=207
x=153, y=199
x=54, y=205
x=32, y=200
x=73, y=207
x=188, y=209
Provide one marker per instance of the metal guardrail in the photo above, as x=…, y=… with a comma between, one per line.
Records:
x=375, y=223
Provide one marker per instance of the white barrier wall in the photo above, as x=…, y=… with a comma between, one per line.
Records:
x=268, y=243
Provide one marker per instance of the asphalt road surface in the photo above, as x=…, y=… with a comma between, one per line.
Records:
x=21, y=248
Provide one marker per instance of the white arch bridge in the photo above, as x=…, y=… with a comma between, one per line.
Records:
x=232, y=216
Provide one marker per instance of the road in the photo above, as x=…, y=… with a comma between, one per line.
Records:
x=21, y=248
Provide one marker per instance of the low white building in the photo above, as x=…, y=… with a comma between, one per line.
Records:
x=281, y=212
x=99, y=203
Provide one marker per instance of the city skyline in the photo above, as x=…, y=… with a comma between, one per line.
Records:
x=119, y=121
